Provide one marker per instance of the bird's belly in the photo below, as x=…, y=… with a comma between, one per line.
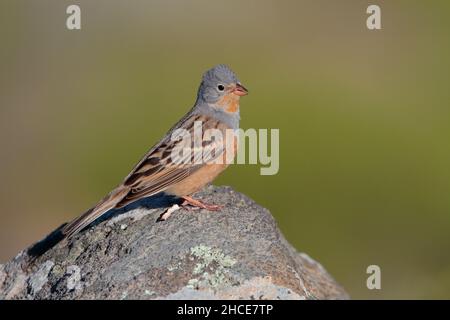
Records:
x=197, y=180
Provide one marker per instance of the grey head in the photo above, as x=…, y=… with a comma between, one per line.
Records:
x=217, y=82
x=218, y=95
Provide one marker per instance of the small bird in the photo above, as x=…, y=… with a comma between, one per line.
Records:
x=216, y=107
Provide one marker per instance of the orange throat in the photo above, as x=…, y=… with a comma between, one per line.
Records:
x=229, y=102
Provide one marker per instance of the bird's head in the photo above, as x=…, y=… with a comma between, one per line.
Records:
x=221, y=88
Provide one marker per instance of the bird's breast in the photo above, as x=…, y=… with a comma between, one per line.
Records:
x=204, y=175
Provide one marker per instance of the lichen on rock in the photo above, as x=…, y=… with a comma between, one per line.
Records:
x=211, y=268
x=38, y=279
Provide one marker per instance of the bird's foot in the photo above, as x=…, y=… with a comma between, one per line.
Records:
x=166, y=214
x=197, y=204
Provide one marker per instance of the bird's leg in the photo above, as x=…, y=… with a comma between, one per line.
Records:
x=198, y=204
x=166, y=214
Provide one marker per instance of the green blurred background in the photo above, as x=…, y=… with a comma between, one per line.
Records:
x=364, y=120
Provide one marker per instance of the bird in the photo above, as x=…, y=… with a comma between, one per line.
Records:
x=216, y=108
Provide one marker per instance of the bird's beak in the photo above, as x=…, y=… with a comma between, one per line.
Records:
x=240, y=90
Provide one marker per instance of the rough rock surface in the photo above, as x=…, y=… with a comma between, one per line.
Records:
x=237, y=253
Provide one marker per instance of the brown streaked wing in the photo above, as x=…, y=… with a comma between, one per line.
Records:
x=156, y=172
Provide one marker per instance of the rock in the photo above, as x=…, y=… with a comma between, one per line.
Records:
x=236, y=253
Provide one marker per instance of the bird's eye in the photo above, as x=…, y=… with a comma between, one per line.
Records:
x=220, y=87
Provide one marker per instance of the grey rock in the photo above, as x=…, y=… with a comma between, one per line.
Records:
x=236, y=253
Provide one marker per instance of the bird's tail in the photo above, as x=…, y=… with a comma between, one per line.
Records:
x=106, y=204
